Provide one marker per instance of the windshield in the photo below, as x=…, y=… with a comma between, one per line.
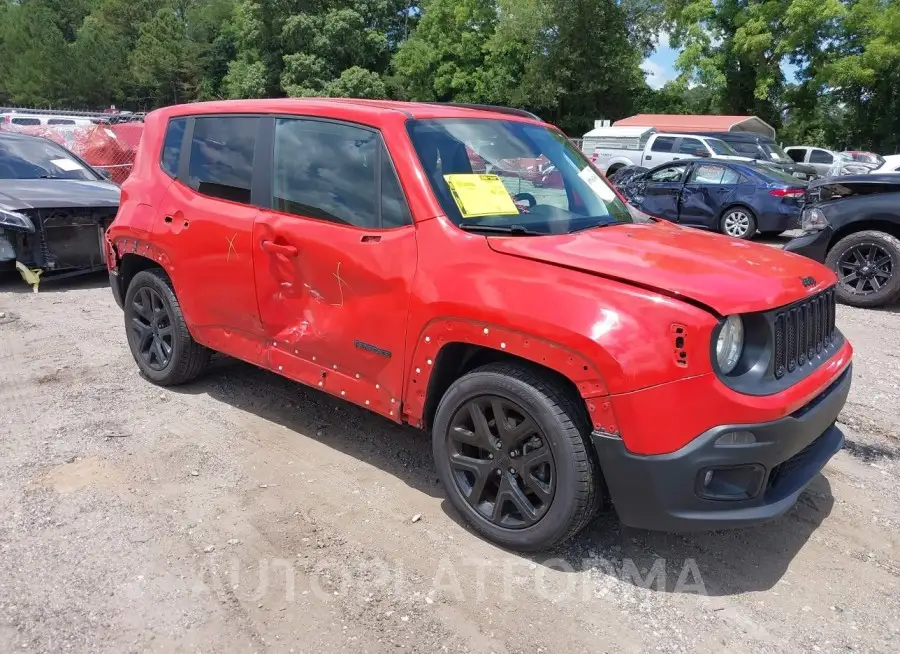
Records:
x=37, y=158
x=865, y=157
x=721, y=147
x=505, y=175
x=775, y=152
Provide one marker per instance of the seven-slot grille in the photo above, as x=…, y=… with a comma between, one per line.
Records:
x=802, y=331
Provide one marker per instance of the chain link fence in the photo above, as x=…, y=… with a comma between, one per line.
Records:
x=104, y=140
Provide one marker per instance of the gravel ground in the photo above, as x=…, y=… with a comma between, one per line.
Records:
x=244, y=513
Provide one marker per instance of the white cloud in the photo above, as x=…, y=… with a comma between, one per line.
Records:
x=656, y=75
x=662, y=41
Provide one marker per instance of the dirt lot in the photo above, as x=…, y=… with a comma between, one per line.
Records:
x=246, y=514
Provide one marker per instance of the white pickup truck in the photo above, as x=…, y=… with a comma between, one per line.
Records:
x=611, y=148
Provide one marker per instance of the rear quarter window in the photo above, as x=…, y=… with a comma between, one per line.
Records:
x=171, y=150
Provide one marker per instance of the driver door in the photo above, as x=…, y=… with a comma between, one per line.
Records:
x=662, y=191
x=334, y=258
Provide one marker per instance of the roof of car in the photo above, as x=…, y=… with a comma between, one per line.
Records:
x=374, y=108
x=19, y=136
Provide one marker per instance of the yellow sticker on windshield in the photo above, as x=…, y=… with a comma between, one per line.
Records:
x=480, y=195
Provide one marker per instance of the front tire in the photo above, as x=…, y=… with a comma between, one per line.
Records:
x=527, y=481
x=867, y=264
x=158, y=336
x=738, y=222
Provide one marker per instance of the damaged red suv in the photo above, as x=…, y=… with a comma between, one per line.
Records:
x=562, y=351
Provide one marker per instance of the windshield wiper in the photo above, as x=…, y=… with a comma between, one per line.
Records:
x=513, y=230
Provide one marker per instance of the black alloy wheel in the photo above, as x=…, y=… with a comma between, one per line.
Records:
x=864, y=269
x=158, y=336
x=512, y=448
x=152, y=327
x=501, y=462
x=867, y=265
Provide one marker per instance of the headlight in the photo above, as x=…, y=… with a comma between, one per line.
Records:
x=730, y=344
x=812, y=220
x=14, y=220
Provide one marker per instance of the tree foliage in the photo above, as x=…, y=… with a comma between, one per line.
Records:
x=822, y=71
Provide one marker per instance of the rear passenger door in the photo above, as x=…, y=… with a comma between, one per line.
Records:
x=821, y=160
x=709, y=188
x=335, y=255
x=205, y=224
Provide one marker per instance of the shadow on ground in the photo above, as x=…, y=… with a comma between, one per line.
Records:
x=728, y=563
x=11, y=282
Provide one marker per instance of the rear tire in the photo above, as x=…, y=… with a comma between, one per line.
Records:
x=863, y=261
x=158, y=336
x=738, y=222
x=549, y=468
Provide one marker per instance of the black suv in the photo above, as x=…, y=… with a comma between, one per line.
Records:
x=852, y=225
x=764, y=150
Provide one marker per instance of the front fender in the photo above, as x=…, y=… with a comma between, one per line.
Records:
x=440, y=332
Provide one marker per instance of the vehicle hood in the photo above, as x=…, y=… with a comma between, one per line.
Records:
x=835, y=188
x=723, y=274
x=19, y=194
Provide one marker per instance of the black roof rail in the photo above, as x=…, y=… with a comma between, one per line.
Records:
x=491, y=107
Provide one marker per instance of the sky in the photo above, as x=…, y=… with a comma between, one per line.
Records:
x=659, y=67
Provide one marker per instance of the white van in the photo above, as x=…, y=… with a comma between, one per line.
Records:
x=611, y=148
x=42, y=120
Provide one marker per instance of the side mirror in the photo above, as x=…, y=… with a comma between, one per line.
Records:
x=105, y=174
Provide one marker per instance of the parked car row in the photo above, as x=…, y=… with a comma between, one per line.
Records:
x=735, y=198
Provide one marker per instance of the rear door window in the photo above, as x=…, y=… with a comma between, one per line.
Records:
x=26, y=121
x=707, y=174
x=60, y=121
x=663, y=144
x=221, y=164
x=821, y=157
x=692, y=147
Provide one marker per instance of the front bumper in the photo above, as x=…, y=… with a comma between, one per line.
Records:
x=665, y=492
x=812, y=245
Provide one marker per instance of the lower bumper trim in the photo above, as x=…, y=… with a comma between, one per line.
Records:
x=660, y=492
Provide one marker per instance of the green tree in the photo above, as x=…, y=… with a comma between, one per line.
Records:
x=100, y=74
x=164, y=60
x=442, y=59
x=32, y=56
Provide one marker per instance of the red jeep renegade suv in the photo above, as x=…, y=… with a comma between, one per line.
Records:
x=560, y=349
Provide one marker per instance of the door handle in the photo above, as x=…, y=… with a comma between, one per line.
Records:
x=676, y=158
x=274, y=248
x=648, y=158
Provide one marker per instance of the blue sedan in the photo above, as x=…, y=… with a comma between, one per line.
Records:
x=731, y=197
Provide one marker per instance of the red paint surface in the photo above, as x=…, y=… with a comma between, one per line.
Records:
x=601, y=307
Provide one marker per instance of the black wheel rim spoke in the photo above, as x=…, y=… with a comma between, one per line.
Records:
x=151, y=329
x=865, y=268
x=500, y=462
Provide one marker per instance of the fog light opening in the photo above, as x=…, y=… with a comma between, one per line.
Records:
x=733, y=438
x=742, y=482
